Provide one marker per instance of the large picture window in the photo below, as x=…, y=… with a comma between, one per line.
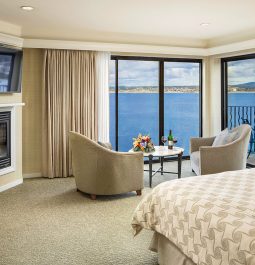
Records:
x=152, y=96
x=238, y=98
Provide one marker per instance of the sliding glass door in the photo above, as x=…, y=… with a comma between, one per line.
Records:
x=239, y=95
x=153, y=95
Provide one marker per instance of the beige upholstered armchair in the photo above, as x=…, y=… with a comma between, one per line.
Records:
x=208, y=159
x=100, y=171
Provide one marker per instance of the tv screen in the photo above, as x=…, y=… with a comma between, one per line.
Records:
x=10, y=70
x=6, y=64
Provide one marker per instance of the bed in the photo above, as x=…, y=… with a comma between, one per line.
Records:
x=201, y=220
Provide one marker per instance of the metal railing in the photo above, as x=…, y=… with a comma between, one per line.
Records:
x=3, y=88
x=238, y=115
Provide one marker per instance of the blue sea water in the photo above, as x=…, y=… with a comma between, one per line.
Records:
x=139, y=113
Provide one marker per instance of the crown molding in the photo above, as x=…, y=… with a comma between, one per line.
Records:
x=233, y=47
x=221, y=50
x=10, y=40
x=113, y=47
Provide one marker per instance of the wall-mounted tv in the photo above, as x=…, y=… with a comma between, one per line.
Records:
x=10, y=70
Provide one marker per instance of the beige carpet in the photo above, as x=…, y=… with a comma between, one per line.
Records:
x=46, y=221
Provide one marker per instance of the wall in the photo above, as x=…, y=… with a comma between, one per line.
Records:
x=32, y=89
x=214, y=95
x=32, y=113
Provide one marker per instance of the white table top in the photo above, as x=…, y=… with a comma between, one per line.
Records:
x=163, y=151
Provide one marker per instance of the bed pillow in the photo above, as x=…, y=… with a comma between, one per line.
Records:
x=105, y=145
x=225, y=137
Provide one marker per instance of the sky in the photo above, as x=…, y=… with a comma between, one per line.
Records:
x=145, y=73
x=240, y=72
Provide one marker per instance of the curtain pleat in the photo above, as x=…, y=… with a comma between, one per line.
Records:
x=102, y=70
x=69, y=104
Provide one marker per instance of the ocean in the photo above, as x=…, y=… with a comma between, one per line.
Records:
x=139, y=113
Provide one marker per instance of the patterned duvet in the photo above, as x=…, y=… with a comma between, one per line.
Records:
x=211, y=218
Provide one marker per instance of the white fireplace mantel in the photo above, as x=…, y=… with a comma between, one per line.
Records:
x=12, y=108
x=4, y=105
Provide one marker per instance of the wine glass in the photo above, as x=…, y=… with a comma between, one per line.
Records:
x=175, y=141
x=163, y=140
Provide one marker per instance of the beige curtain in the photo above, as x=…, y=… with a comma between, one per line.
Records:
x=69, y=103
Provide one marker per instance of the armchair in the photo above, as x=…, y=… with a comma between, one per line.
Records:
x=207, y=159
x=100, y=171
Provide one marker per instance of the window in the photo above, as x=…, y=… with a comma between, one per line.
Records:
x=137, y=101
x=238, y=98
x=181, y=101
x=153, y=95
x=112, y=94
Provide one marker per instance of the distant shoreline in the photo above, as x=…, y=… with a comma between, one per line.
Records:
x=154, y=92
x=175, y=92
x=239, y=92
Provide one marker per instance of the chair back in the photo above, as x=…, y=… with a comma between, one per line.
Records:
x=242, y=142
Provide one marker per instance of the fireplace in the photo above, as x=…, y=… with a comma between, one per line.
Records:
x=5, y=139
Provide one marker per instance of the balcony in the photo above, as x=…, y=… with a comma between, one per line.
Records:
x=238, y=115
x=3, y=88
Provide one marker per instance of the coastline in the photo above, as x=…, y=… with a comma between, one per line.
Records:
x=176, y=92
x=241, y=92
x=154, y=92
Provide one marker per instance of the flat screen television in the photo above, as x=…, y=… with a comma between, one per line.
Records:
x=10, y=70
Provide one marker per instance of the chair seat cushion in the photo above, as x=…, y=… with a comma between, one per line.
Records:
x=195, y=162
x=225, y=137
x=195, y=157
x=105, y=145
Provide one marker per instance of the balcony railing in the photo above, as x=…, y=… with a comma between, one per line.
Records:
x=3, y=88
x=238, y=115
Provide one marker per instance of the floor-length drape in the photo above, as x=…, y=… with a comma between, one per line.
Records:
x=69, y=104
x=102, y=85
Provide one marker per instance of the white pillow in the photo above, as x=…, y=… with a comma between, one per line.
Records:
x=225, y=137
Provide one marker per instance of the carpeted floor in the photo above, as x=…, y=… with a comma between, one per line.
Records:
x=46, y=221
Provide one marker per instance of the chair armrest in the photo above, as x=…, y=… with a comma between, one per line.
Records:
x=124, y=162
x=123, y=169
x=222, y=158
x=195, y=143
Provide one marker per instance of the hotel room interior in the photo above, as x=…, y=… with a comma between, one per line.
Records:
x=127, y=132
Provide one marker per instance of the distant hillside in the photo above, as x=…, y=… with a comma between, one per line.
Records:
x=244, y=87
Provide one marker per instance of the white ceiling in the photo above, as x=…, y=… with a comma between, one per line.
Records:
x=165, y=22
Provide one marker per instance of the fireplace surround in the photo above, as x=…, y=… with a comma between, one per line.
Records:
x=8, y=137
x=5, y=139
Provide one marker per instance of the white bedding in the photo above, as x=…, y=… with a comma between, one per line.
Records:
x=211, y=218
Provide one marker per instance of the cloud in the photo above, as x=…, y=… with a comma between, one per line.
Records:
x=146, y=73
x=242, y=71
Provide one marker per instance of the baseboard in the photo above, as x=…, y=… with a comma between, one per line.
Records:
x=11, y=185
x=32, y=175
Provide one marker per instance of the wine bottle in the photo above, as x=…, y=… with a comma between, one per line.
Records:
x=170, y=140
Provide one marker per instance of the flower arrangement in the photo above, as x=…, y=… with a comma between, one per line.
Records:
x=143, y=143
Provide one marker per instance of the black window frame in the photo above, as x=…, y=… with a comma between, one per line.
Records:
x=161, y=61
x=224, y=85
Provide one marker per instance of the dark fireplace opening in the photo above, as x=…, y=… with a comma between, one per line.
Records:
x=5, y=139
